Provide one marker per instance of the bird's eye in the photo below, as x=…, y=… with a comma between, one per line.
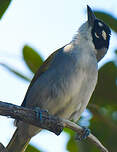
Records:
x=101, y=34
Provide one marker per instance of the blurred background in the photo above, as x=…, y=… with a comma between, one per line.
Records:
x=30, y=31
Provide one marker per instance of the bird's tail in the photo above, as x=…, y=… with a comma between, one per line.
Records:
x=18, y=143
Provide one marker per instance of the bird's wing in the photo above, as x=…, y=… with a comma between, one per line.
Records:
x=39, y=72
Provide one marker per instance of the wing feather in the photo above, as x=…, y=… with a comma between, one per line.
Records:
x=39, y=72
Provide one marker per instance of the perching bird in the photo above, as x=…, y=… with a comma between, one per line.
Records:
x=65, y=82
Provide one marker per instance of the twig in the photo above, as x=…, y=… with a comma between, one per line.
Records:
x=45, y=121
x=91, y=137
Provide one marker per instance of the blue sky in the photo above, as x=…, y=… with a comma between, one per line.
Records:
x=46, y=26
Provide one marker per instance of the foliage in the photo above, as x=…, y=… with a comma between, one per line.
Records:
x=32, y=58
x=14, y=71
x=3, y=6
x=103, y=104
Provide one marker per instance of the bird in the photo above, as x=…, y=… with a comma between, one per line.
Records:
x=64, y=83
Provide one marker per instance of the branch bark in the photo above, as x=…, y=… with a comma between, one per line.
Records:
x=2, y=148
x=44, y=120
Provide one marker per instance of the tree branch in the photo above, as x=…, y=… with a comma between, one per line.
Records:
x=43, y=119
x=2, y=148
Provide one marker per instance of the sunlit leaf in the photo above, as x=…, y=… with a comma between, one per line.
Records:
x=31, y=148
x=3, y=6
x=107, y=18
x=72, y=145
x=15, y=72
x=32, y=58
x=69, y=131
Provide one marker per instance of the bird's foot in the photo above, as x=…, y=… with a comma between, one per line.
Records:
x=39, y=113
x=83, y=135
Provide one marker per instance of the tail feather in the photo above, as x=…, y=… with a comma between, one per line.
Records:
x=18, y=143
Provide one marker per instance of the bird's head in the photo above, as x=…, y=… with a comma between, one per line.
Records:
x=97, y=33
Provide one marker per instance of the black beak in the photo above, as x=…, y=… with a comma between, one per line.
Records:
x=91, y=16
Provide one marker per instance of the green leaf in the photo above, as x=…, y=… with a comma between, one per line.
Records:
x=106, y=90
x=15, y=72
x=32, y=58
x=3, y=6
x=69, y=131
x=72, y=145
x=107, y=18
x=31, y=148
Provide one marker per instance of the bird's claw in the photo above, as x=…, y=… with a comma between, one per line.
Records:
x=83, y=135
x=39, y=113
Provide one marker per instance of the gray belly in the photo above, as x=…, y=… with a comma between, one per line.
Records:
x=79, y=98
x=73, y=96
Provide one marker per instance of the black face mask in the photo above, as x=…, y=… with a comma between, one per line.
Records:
x=100, y=34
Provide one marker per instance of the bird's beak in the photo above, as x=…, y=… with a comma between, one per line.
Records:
x=91, y=16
